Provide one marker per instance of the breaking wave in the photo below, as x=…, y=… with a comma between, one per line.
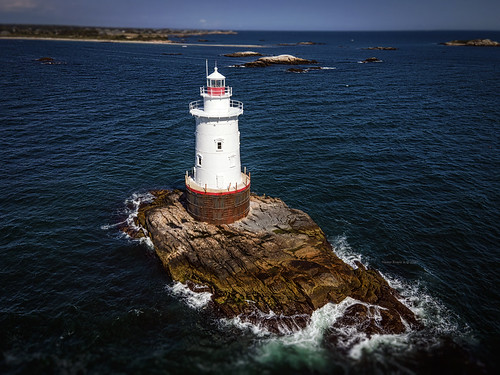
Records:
x=437, y=319
x=259, y=323
x=195, y=300
x=130, y=212
x=344, y=251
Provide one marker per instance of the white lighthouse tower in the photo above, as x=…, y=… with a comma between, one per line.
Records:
x=217, y=190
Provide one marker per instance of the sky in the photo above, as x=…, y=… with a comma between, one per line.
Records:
x=335, y=15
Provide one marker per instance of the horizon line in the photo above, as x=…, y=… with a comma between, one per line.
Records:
x=256, y=30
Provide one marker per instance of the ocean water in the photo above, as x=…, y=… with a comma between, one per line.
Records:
x=398, y=162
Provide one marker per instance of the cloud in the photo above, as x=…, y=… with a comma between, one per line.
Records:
x=203, y=21
x=18, y=5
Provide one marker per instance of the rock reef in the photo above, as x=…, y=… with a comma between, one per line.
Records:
x=277, y=60
x=473, y=43
x=243, y=54
x=276, y=262
x=309, y=43
x=371, y=60
x=381, y=48
x=303, y=70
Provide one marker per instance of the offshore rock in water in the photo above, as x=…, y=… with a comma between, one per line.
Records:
x=473, y=43
x=381, y=48
x=371, y=60
x=274, y=267
x=277, y=60
x=243, y=54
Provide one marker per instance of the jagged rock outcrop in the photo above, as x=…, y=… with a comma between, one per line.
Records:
x=473, y=43
x=277, y=60
x=276, y=260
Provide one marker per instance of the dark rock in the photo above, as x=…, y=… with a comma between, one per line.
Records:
x=45, y=59
x=303, y=70
x=382, y=48
x=300, y=44
x=473, y=43
x=49, y=61
x=371, y=60
x=275, y=266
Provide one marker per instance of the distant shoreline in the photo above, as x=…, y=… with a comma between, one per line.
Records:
x=163, y=42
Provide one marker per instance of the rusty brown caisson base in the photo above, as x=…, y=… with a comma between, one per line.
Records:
x=218, y=208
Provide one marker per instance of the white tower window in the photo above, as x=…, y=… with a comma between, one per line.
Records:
x=218, y=144
x=199, y=158
x=232, y=161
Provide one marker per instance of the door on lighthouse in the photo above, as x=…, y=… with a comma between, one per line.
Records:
x=220, y=182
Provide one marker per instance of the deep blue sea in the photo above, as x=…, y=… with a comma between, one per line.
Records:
x=398, y=162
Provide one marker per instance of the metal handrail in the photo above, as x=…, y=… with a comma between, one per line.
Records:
x=228, y=91
x=199, y=104
x=189, y=180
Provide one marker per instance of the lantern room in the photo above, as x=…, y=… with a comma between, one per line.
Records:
x=216, y=84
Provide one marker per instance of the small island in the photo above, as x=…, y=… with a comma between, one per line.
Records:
x=473, y=43
x=243, y=54
x=276, y=262
x=277, y=60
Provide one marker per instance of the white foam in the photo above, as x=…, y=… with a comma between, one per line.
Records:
x=257, y=323
x=304, y=348
x=321, y=320
x=436, y=318
x=133, y=203
x=328, y=67
x=344, y=251
x=195, y=300
x=258, y=329
x=397, y=343
x=109, y=226
x=131, y=210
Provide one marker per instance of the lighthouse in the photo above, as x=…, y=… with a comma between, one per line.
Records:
x=217, y=190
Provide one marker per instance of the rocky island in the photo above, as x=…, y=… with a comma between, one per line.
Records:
x=274, y=267
x=473, y=43
x=277, y=60
x=371, y=60
x=243, y=54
